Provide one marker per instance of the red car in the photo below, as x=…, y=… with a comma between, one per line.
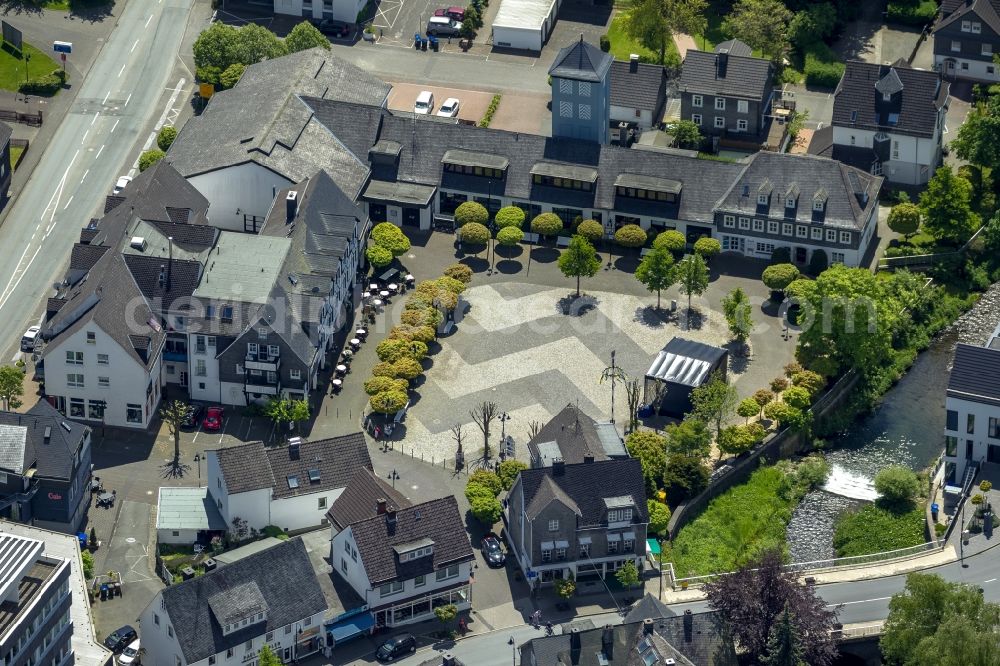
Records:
x=456, y=13
x=213, y=418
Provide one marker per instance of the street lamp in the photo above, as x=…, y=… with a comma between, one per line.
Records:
x=27, y=59
x=197, y=459
x=503, y=418
x=393, y=475
x=513, y=651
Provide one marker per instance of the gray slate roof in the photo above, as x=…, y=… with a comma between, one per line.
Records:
x=642, y=89
x=588, y=484
x=54, y=460
x=438, y=520
x=574, y=435
x=918, y=96
x=956, y=10
x=582, y=62
x=744, y=77
x=844, y=186
x=359, y=501
x=734, y=47
x=284, y=579
x=649, y=607
x=975, y=374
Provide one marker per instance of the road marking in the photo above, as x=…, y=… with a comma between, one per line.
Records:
x=84, y=139
x=127, y=99
x=106, y=97
x=133, y=46
x=84, y=176
x=114, y=126
x=990, y=580
x=95, y=119
x=101, y=149
x=121, y=70
x=147, y=22
x=68, y=202
x=862, y=601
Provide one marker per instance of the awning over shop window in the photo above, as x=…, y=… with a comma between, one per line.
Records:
x=350, y=628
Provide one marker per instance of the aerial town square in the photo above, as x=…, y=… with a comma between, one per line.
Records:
x=530, y=332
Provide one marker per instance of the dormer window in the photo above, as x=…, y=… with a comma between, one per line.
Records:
x=620, y=515
x=762, y=199
x=789, y=203
x=819, y=205
x=886, y=97
x=407, y=552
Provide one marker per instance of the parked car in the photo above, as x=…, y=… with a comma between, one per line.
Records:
x=213, y=418
x=492, y=552
x=457, y=13
x=121, y=184
x=29, y=337
x=193, y=416
x=449, y=108
x=396, y=647
x=130, y=655
x=442, y=26
x=335, y=28
x=119, y=639
x=425, y=103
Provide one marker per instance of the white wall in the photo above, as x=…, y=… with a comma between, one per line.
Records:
x=976, y=71
x=344, y=10
x=980, y=435
x=212, y=391
x=248, y=188
x=627, y=114
x=127, y=378
x=296, y=513
x=914, y=153
x=517, y=38
x=252, y=506
x=183, y=537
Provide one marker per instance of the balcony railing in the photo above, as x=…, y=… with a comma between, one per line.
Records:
x=263, y=362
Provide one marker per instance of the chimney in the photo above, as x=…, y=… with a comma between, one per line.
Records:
x=381, y=505
x=647, y=626
x=291, y=206
x=688, y=626
x=163, y=275
x=633, y=62
x=558, y=466
x=447, y=659
x=721, y=62
x=390, y=517
x=293, y=448
x=608, y=642
x=588, y=457
x=574, y=639
x=47, y=437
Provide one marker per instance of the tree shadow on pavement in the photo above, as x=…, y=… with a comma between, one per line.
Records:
x=544, y=255
x=174, y=469
x=576, y=306
x=508, y=267
x=652, y=316
x=477, y=264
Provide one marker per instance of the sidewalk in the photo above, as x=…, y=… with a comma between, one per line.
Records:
x=684, y=43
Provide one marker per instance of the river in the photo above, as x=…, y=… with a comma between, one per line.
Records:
x=906, y=428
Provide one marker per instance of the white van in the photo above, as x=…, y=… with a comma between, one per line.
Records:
x=425, y=103
x=28, y=339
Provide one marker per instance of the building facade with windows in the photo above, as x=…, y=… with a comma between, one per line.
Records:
x=406, y=561
x=972, y=408
x=584, y=520
x=317, y=10
x=966, y=37
x=727, y=93
x=581, y=92
x=228, y=615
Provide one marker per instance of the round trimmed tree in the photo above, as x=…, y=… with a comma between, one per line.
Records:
x=407, y=368
x=904, y=219
x=378, y=256
x=509, y=216
x=471, y=212
x=510, y=236
x=380, y=384
x=546, y=224
x=460, y=272
x=474, y=233
x=592, y=230
x=748, y=407
x=630, y=235
x=671, y=240
x=707, y=247
x=778, y=277
x=391, y=237
x=388, y=402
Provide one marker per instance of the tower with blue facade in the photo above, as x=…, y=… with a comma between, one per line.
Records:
x=581, y=92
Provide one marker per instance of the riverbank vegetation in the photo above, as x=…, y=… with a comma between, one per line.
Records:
x=895, y=520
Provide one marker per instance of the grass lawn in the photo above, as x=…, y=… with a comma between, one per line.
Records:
x=15, y=152
x=875, y=528
x=622, y=46
x=12, y=65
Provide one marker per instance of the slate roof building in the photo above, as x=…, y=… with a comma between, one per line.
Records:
x=574, y=437
x=45, y=468
x=581, y=93
x=887, y=120
x=6, y=171
x=365, y=496
x=638, y=93
x=406, y=561
x=966, y=36
x=291, y=486
x=727, y=92
x=972, y=404
x=584, y=520
x=679, y=368
x=226, y=616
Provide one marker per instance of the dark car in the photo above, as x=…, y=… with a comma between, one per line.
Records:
x=335, y=28
x=119, y=639
x=492, y=552
x=396, y=647
x=213, y=418
x=193, y=416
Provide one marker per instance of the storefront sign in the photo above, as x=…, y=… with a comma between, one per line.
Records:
x=55, y=497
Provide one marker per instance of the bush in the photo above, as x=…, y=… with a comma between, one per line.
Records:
x=391, y=237
x=388, y=402
x=630, y=235
x=707, y=247
x=378, y=256
x=546, y=224
x=379, y=384
x=875, y=528
x=508, y=472
x=684, y=477
x=490, y=110
x=391, y=351
x=166, y=137
x=150, y=157
x=231, y=75
x=88, y=564
x=592, y=230
x=510, y=236
x=739, y=439
x=818, y=262
x=910, y=12
x=459, y=272
x=471, y=211
x=783, y=413
x=797, y=397
x=509, y=216
x=897, y=485
x=605, y=43
x=45, y=86
x=486, y=510
x=822, y=67
x=407, y=368
x=487, y=479
x=904, y=219
x=474, y=233
x=813, y=382
x=781, y=255
x=671, y=240
x=208, y=74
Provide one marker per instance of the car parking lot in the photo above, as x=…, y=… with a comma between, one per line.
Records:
x=516, y=113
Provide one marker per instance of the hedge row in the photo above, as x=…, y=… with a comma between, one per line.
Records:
x=918, y=13
x=47, y=85
x=490, y=110
x=822, y=66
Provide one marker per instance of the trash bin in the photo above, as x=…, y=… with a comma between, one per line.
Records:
x=416, y=41
x=934, y=511
x=423, y=44
x=434, y=42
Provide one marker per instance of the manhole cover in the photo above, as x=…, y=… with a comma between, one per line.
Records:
x=130, y=540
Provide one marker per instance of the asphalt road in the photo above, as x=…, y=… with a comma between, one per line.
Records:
x=120, y=95
x=861, y=602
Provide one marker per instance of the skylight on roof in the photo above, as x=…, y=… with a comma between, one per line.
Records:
x=293, y=481
x=314, y=475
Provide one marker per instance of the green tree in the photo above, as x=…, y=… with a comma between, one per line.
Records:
x=379, y=384
x=653, y=22
x=592, y=230
x=546, y=224
x=812, y=25
x=459, y=272
x=763, y=24
x=671, y=240
x=748, y=407
x=976, y=140
x=797, y=397
x=487, y=479
x=904, y=219
x=388, y=402
x=256, y=43
x=811, y=381
x=737, y=308
x=947, y=207
x=391, y=351
x=174, y=414
x=305, y=36
x=762, y=397
x=686, y=476
x=446, y=614
x=231, y=75
x=88, y=564
x=738, y=439
x=216, y=46
x=692, y=276
x=686, y=134
x=630, y=235
x=690, y=437
x=407, y=368
x=784, y=645
x=508, y=472
x=579, y=260
x=471, y=211
x=510, y=236
x=378, y=256
x=483, y=506
x=714, y=401
x=208, y=74
x=391, y=237
x=149, y=158
x=565, y=587
x=472, y=18
x=656, y=271
x=165, y=137
x=897, y=485
x=784, y=414
x=659, y=517
x=474, y=233
x=651, y=451
x=628, y=575
x=298, y=411
x=266, y=657
x=283, y=410
x=707, y=247
x=12, y=387
x=509, y=216
x=818, y=262
x=778, y=277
